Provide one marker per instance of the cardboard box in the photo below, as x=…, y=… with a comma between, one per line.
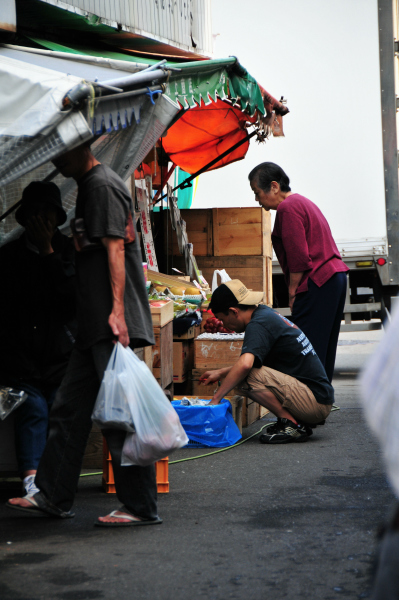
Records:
x=161, y=312
x=214, y=354
x=181, y=361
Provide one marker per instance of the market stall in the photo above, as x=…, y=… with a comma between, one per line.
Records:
x=143, y=120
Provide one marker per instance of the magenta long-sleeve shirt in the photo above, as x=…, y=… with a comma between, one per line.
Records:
x=302, y=241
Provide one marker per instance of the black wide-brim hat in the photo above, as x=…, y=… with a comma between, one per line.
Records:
x=45, y=191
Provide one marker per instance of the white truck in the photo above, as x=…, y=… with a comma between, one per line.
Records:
x=372, y=251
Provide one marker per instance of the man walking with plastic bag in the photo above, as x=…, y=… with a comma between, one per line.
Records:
x=112, y=306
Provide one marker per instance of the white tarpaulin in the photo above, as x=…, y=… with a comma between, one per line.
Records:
x=35, y=128
x=30, y=96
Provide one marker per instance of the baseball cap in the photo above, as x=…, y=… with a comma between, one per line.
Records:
x=230, y=294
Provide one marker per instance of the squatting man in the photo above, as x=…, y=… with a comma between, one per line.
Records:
x=278, y=367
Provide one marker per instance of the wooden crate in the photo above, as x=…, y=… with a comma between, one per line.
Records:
x=235, y=239
x=227, y=231
x=254, y=271
x=236, y=405
x=163, y=314
x=189, y=335
x=163, y=355
x=146, y=355
x=181, y=360
x=215, y=354
x=250, y=412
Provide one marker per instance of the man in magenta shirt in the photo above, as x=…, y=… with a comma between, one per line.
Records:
x=310, y=260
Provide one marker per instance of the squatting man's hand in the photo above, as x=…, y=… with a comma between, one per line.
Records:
x=210, y=377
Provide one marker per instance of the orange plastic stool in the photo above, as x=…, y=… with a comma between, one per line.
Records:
x=108, y=482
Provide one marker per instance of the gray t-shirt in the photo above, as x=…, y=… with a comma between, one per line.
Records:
x=104, y=203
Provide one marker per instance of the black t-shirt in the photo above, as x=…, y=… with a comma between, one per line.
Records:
x=279, y=344
x=104, y=203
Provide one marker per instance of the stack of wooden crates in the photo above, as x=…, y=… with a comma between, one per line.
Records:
x=239, y=241
x=235, y=239
x=162, y=351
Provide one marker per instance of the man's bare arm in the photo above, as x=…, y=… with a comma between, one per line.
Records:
x=237, y=373
x=116, y=262
x=212, y=376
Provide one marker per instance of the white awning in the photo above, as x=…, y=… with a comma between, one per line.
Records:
x=36, y=127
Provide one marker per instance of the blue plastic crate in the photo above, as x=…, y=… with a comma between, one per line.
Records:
x=208, y=426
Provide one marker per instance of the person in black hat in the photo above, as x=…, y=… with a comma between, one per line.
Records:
x=37, y=317
x=278, y=367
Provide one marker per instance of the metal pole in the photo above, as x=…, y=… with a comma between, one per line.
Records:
x=389, y=137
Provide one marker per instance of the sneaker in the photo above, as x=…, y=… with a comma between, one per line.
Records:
x=29, y=486
x=285, y=431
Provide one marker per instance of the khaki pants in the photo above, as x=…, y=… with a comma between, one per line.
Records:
x=293, y=395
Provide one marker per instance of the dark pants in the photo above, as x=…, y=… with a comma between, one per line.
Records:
x=31, y=423
x=70, y=423
x=318, y=312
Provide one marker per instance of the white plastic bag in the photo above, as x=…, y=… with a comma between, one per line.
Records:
x=112, y=410
x=380, y=397
x=158, y=430
x=10, y=399
x=223, y=278
x=131, y=399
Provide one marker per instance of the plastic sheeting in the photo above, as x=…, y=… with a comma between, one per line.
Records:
x=122, y=150
x=34, y=129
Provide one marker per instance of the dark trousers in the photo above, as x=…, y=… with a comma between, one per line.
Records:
x=31, y=423
x=70, y=423
x=318, y=312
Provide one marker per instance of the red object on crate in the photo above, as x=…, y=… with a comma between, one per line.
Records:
x=108, y=481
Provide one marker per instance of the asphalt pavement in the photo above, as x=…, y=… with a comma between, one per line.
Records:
x=252, y=523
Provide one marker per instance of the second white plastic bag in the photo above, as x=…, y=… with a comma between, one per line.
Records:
x=111, y=410
x=158, y=430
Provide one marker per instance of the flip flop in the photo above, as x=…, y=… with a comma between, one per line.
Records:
x=39, y=508
x=128, y=521
x=33, y=508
